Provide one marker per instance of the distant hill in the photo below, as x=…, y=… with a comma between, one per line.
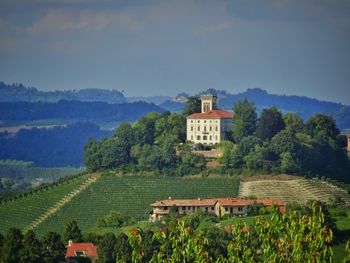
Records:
x=151, y=99
x=53, y=147
x=18, y=92
x=75, y=110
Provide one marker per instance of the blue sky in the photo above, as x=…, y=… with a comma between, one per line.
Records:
x=167, y=47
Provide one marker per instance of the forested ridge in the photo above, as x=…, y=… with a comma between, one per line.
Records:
x=76, y=110
x=18, y=92
x=50, y=147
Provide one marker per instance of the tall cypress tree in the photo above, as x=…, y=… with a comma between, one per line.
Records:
x=244, y=120
x=31, y=251
x=72, y=232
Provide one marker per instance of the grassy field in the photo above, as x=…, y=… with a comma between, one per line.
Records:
x=24, y=210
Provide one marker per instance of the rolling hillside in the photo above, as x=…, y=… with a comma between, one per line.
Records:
x=90, y=197
x=298, y=190
x=86, y=201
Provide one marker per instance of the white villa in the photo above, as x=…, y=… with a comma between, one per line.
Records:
x=209, y=126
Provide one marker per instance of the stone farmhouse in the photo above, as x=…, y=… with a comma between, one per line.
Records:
x=210, y=126
x=215, y=206
x=76, y=251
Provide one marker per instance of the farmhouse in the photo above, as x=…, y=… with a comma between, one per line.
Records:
x=211, y=125
x=80, y=250
x=216, y=206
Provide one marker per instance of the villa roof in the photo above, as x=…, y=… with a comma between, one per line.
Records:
x=213, y=114
x=243, y=202
x=185, y=202
x=88, y=249
x=222, y=201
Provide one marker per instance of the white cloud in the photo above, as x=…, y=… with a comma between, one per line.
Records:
x=62, y=21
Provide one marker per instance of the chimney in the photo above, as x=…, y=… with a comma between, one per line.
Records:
x=70, y=242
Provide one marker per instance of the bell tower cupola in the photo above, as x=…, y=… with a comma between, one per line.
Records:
x=208, y=102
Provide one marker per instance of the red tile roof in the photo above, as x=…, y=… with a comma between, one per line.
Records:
x=185, y=202
x=243, y=202
x=89, y=249
x=213, y=114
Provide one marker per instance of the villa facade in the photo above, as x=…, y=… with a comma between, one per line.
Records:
x=210, y=126
x=217, y=206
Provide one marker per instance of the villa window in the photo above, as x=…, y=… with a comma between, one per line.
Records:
x=191, y=128
x=204, y=137
x=210, y=128
x=198, y=137
x=240, y=209
x=210, y=137
x=226, y=209
x=191, y=137
x=165, y=208
x=198, y=128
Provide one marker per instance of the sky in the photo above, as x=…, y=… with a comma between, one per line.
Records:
x=298, y=47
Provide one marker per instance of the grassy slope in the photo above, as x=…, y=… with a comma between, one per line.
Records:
x=24, y=210
x=132, y=195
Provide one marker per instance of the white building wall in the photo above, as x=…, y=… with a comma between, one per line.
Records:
x=207, y=131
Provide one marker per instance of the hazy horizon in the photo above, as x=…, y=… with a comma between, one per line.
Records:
x=151, y=48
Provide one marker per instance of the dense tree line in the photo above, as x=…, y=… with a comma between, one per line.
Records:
x=49, y=147
x=75, y=110
x=18, y=92
x=154, y=143
x=277, y=143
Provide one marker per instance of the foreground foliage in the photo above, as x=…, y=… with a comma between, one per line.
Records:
x=291, y=237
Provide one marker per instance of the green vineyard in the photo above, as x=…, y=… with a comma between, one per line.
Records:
x=22, y=211
x=130, y=195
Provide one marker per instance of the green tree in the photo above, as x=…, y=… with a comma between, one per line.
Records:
x=122, y=248
x=113, y=219
x=244, y=120
x=322, y=124
x=256, y=160
x=31, y=251
x=270, y=123
x=293, y=122
x=247, y=144
x=288, y=163
x=12, y=245
x=92, y=157
x=106, y=249
x=72, y=232
x=52, y=248
x=193, y=105
x=145, y=128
